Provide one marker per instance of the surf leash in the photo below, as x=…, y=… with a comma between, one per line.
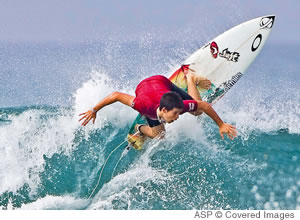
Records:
x=123, y=154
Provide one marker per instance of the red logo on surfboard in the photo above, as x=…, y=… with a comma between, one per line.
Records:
x=214, y=49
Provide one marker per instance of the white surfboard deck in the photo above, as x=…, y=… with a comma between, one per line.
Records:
x=226, y=58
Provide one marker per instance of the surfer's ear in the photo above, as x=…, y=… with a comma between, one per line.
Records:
x=164, y=110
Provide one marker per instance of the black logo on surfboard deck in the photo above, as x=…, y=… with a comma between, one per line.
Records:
x=214, y=49
x=230, y=56
x=228, y=84
x=267, y=22
x=256, y=43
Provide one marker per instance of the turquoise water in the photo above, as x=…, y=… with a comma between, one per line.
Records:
x=48, y=161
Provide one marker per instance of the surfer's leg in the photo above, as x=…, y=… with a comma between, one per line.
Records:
x=152, y=132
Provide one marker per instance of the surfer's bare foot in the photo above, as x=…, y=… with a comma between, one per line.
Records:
x=200, y=81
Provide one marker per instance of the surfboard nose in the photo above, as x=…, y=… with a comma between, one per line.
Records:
x=267, y=21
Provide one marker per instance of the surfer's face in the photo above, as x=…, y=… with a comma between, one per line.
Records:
x=171, y=115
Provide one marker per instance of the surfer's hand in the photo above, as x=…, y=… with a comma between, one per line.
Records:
x=88, y=116
x=228, y=129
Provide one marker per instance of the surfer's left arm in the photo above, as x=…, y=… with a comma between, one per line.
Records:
x=228, y=129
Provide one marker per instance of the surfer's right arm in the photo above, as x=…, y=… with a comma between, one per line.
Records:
x=112, y=98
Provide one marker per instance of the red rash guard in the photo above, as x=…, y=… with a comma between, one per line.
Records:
x=148, y=95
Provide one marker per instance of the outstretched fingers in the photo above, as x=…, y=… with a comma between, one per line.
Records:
x=230, y=136
x=81, y=118
x=232, y=133
x=222, y=136
x=228, y=129
x=87, y=120
x=86, y=117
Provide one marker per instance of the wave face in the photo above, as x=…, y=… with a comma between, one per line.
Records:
x=48, y=161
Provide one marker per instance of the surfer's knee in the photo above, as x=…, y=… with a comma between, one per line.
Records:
x=157, y=132
x=161, y=135
x=155, y=135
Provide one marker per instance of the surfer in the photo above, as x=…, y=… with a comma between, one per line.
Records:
x=161, y=101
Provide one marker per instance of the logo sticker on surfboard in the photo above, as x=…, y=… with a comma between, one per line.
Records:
x=214, y=49
x=215, y=93
x=267, y=22
x=230, y=56
x=256, y=42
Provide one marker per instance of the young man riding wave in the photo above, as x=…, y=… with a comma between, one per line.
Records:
x=161, y=101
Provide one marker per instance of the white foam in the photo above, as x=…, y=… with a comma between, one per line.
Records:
x=25, y=141
x=92, y=92
x=30, y=136
x=56, y=203
x=254, y=115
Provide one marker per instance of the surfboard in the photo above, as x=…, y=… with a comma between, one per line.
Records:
x=222, y=60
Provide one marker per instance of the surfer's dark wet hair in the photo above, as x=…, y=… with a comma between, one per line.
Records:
x=171, y=100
